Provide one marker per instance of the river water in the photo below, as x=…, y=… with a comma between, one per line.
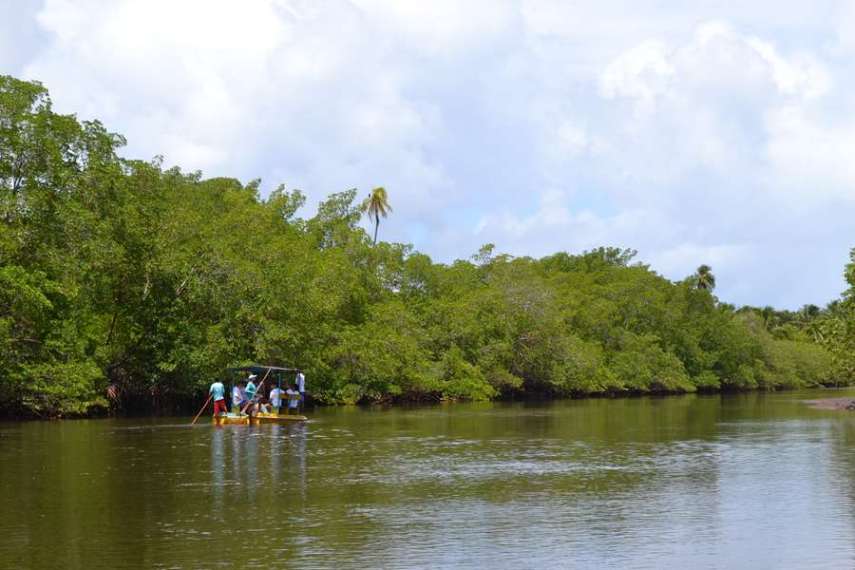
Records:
x=739, y=481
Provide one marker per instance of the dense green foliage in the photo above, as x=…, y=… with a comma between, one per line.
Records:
x=121, y=278
x=834, y=327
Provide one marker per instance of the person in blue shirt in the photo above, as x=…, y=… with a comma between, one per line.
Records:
x=251, y=390
x=218, y=392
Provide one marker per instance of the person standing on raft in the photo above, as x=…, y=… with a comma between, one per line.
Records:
x=293, y=397
x=251, y=389
x=301, y=387
x=238, y=397
x=218, y=392
x=276, y=399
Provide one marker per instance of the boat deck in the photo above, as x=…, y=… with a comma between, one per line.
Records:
x=231, y=419
x=263, y=418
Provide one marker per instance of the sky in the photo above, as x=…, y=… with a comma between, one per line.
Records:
x=713, y=131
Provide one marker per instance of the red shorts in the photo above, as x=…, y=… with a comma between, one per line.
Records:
x=220, y=407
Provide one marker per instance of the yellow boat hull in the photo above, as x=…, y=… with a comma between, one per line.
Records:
x=230, y=420
x=263, y=418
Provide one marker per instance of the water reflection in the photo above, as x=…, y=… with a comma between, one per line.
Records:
x=218, y=467
x=296, y=453
x=274, y=452
x=735, y=481
x=842, y=476
x=249, y=460
x=260, y=463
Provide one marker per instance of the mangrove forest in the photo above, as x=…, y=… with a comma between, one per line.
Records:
x=127, y=286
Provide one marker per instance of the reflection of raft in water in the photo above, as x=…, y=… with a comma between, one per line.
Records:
x=265, y=418
x=231, y=420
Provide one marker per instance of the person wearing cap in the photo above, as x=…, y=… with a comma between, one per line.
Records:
x=251, y=389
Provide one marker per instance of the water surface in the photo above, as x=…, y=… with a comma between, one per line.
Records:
x=745, y=481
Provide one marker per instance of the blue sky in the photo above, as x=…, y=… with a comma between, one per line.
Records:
x=713, y=132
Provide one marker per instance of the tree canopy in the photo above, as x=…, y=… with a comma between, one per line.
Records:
x=125, y=285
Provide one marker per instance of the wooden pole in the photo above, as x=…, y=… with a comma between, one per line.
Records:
x=205, y=405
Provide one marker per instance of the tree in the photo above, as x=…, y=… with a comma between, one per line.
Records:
x=121, y=279
x=703, y=278
x=376, y=205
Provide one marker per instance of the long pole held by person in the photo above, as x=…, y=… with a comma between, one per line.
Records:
x=257, y=390
x=205, y=405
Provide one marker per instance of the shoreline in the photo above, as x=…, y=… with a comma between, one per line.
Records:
x=177, y=411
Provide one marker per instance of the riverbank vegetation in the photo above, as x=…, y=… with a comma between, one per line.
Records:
x=125, y=285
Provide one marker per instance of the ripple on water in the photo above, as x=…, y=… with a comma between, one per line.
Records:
x=685, y=482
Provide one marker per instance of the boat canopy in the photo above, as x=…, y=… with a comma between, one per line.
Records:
x=261, y=369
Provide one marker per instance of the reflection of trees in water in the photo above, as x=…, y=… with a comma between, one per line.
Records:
x=595, y=468
x=62, y=485
x=647, y=456
x=842, y=451
x=631, y=474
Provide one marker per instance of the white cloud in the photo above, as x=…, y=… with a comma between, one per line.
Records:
x=441, y=27
x=700, y=133
x=711, y=151
x=641, y=72
x=810, y=160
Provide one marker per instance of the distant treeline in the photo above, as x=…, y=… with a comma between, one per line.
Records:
x=126, y=285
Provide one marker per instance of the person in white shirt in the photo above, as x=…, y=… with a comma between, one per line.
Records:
x=238, y=397
x=276, y=399
x=301, y=386
x=293, y=397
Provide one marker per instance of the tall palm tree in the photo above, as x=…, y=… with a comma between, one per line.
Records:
x=376, y=205
x=703, y=278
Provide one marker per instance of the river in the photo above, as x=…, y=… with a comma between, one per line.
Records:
x=736, y=481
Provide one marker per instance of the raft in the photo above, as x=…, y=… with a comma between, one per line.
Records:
x=231, y=420
x=266, y=418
